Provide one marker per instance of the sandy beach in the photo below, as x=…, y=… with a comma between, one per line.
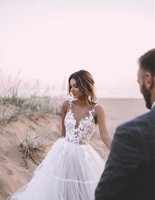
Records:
x=17, y=169
x=119, y=111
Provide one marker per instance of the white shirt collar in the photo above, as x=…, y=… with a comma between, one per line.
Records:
x=152, y=105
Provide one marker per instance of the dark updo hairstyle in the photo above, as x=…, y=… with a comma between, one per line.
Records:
x=85, y=83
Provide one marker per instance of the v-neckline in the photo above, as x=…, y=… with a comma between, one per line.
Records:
x=77, y=125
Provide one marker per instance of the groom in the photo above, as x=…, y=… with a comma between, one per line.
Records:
x=129, y=172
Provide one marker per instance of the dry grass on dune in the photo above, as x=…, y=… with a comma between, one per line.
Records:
x=25, y=140
x=30, y=126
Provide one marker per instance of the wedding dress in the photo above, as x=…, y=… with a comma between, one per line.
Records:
x=72, y=168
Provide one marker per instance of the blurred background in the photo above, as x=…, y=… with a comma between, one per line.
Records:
x=47, y=40
x=42, y=42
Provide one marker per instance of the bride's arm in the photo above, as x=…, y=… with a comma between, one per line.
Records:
x=63, y=114
x=101, y=120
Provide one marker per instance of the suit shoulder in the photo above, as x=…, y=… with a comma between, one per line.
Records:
x=142, y=125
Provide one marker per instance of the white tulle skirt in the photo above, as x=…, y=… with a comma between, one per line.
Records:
x=68, y=172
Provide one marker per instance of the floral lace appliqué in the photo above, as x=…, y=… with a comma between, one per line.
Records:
x=80, y=135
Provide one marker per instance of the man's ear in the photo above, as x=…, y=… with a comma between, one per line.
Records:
x=149, y=81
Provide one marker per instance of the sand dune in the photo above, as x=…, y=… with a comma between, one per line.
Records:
x=15, y=171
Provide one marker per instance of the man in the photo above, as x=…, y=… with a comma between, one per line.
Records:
x=129, y=172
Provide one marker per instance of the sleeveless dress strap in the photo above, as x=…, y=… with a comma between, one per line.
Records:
x=70, y=104
x=92, y=111
x=95, y=107
x=70, y=101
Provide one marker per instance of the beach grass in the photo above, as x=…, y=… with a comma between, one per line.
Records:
x=14, y=107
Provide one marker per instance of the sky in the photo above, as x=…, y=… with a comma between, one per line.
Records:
x=47, y=40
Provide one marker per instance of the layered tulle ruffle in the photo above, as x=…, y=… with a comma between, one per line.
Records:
x=69, y=172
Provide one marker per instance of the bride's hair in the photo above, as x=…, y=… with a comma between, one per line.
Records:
x=85, y=83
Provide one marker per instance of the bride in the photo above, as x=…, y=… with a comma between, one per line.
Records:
x=72, y=168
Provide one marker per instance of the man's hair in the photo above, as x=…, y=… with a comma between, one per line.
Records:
x=147, y=62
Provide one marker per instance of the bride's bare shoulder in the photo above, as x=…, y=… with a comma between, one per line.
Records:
x=65, y=105
x=99, y=109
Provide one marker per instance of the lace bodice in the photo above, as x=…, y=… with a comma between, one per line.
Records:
x=81, y=134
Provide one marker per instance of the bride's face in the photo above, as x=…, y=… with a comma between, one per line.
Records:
x=76, y=92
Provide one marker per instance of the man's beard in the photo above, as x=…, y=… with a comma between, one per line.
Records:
x=147, y=96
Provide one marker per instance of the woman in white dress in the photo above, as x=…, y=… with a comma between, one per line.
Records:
x=72, y=168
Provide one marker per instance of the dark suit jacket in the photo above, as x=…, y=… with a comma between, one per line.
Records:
x=129, y=172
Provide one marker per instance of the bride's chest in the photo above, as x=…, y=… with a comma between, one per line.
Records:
x=84, y=125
